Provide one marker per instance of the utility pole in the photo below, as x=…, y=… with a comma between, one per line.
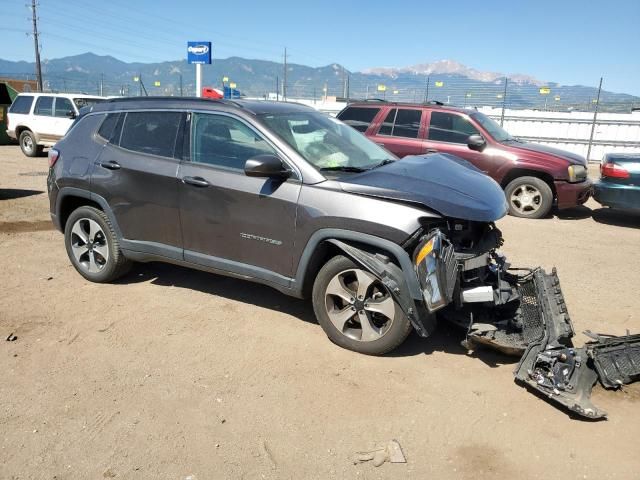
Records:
x=595, y=116
x=344, y=84
x=348, y=86
x=284, y=78
x=102, y=84
x=36, y=44
x=426, y=96
x=504, y=101
x=277, y=88
x=181, y=93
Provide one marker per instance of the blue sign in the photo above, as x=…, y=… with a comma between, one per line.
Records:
x=199, y=52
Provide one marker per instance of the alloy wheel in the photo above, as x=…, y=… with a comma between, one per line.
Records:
x=27, y=143
x=89, y=245
x=359, y=306
x=526, y=199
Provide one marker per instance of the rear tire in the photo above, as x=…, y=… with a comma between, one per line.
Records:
x=92, y=246
x=28, y=144
x=355, y=309
x=529, y=197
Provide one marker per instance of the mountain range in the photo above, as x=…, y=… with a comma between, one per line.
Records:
x=443, y=80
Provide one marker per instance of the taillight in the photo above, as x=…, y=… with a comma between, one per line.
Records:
x=54, y=155
x=613, y=170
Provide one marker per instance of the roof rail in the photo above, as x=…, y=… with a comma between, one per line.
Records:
x=193, y=99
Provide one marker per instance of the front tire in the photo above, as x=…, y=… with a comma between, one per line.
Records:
x=28, y=144
x=355, y=309
x=92, y=246
x=529, y=197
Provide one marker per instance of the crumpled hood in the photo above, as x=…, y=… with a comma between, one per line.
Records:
x=441, y=182
x=572, y=158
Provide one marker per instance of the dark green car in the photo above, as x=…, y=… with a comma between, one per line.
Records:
x=619, y=185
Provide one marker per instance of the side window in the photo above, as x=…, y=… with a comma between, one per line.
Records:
x=387, y=126
x=44, y=106
x=22, y=104
x=108, y=130
x=62, y=107
x=151, y=132
x=407, y=123
x=358, y=117
x=224, y=141
x=449, y=127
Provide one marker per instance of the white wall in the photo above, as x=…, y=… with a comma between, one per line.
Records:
x=614, y=132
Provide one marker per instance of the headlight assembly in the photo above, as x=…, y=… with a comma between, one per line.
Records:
x=577, y=173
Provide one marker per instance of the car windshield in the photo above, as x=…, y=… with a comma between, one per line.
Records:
x=327, y=143
x=498, y=133
x=86, y=101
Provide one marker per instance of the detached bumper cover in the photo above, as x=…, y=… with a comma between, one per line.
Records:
x=565, y=375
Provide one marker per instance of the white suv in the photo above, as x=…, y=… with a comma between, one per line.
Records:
x=39, y=120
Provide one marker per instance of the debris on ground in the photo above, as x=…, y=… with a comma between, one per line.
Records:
x=12, y=337
x=391, y=452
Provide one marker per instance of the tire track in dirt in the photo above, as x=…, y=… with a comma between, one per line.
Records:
x=24, y=227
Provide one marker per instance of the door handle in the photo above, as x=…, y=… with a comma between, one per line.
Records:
x=111, y=165
x=195, y=181
x=431, y=150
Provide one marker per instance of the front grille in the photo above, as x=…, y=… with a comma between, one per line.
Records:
x=530, y=312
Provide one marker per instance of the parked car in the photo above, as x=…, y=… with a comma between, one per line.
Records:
x=619, y=184
x=534, y=177
x=38, y=120
x=281, y=194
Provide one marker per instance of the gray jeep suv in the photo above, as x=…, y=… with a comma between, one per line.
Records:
x=281, y=194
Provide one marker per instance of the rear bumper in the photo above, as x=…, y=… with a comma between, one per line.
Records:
x=11, y=134
x=572, y=194
x=615, y=195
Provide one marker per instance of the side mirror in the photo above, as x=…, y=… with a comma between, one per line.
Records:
x=476, y=142
x=71, y=114
x=266, y=166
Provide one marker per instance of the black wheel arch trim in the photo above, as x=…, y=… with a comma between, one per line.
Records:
x=65, y=192
x=401, y=280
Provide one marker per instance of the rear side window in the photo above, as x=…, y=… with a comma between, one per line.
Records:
x=358, y=117
x=449, y=127
x=151, y=132
x=108, y=130
x=387, y=126
x=407, y=123
x=63, y=107
x=22, y=104
x=402, y=122
x=44, y=106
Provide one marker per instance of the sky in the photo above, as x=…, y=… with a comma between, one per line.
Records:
x=565, y=41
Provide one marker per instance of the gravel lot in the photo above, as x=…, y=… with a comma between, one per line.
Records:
x=172, y=373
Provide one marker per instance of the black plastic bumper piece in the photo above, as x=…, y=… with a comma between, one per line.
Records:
x=615, y=359
x=551, y=366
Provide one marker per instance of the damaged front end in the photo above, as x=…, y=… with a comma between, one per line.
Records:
x=454, y=272
x=519, y=312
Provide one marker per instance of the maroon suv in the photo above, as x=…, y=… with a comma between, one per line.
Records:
x=534, y=177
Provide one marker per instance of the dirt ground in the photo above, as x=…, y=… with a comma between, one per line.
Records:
x=172, y=373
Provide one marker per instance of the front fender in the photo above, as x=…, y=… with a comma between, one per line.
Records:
x=397, y=281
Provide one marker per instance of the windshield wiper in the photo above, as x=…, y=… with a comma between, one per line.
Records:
x=343, y=168
x=386, y=161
